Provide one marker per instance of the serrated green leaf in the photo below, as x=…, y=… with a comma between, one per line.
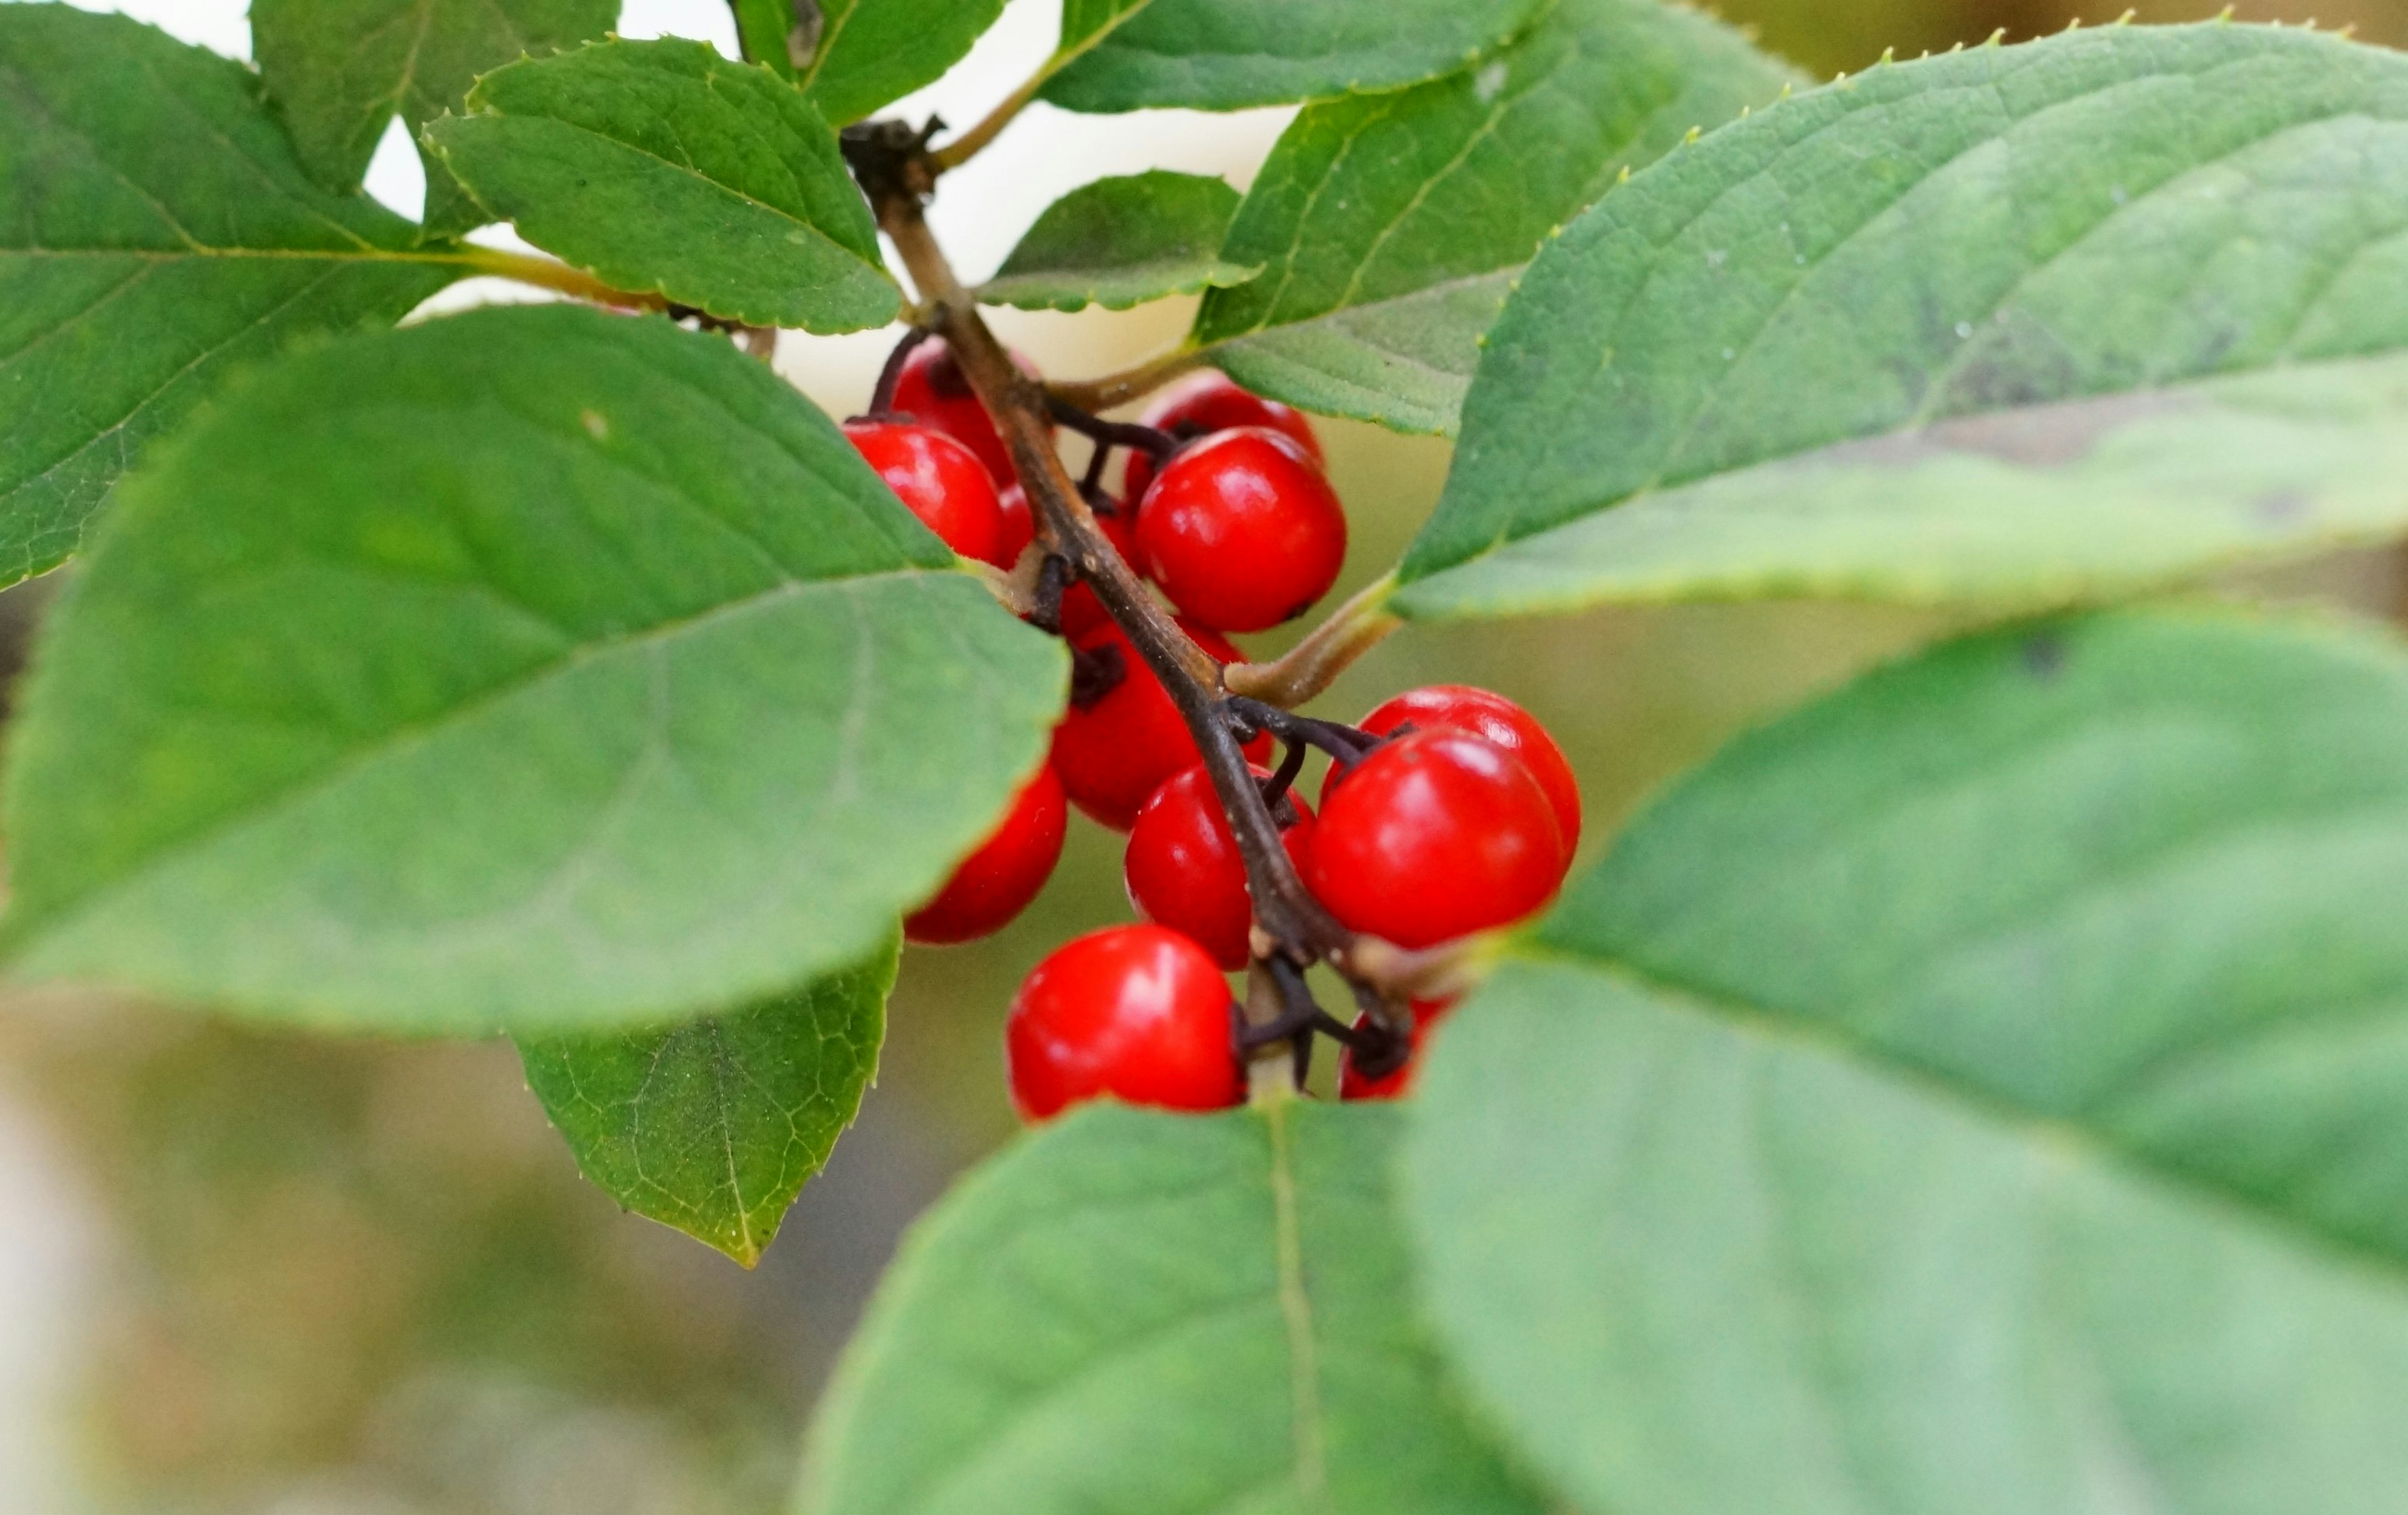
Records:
x=2153, y=485
x=1120, y=242
x=1392, y=225
x=1979, y=1093
x=535, y=670
x=661, y=166
x=1131, y=1310
x=875, y=51
x=156, y=234
x=714, y=1127
x=2100, y=214
x=338, y=70
x=779, y=35
x=1226, y=54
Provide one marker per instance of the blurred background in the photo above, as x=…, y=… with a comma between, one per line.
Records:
x=262, y=1273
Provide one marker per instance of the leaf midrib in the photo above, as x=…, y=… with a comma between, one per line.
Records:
x=1943, y=1087
x=29, y=922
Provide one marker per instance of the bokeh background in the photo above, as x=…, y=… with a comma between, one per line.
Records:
x=264, y=1273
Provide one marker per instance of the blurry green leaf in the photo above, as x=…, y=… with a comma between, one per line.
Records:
x=1224, y=54
x=779, y=34
x=714, y=1127
x=1137, y=1312
x=1120, y=242
x=537, y=669
x=1983, y=1092
x=663, y=166
x=1393, y=224
x=338, y=70
x=1969, y=236
x=155, y=232
x=875, y=51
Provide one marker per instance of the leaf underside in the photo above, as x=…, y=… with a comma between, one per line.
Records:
x=1392, y=226
x=1859, y=316
x=1983, y=1092
x=1135, y=1310
x=714, y=1127
x=536, y=670
x=156, y=234
x=1121, y=242
x=661, y=166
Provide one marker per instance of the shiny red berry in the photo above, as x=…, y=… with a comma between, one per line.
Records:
x=1242, y=530
x=1399, y=1082
x=1434, y=835
x=940, y=481
x=1082, y=612
x=1209, y=402
x=1019, y=525
x=1495, y=718
x=1183, y=870
x=1114, y=750
x=996, y=883
x=1137, y=1012
x=932, y=390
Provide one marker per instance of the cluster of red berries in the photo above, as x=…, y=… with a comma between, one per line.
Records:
x=1450, y=811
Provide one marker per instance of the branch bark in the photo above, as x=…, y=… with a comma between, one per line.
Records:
x=1289, y=922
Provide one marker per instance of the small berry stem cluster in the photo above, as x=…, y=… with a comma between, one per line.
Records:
x=1431, y=828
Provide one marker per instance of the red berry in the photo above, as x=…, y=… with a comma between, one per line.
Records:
x=940, y=481
x=1493, y=719
x=1353, y=1085
x=1434, y=835
x=996, y=882
x=1183, y=870
x=1082, y=612
x=1209, y=402
x=1242, y=530
x=1019, y=525
x=1137, y=1012
x=1114, y=751
x=933, y=388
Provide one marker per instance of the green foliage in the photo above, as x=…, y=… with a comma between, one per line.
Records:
x=1973, y=235
x=1392, y=225
x=715, y=1126
x=874, y=51
x=1980, y=1092
x=2039, y=505
x=156, y=232
x=780, y=36
x=663, y=166
x=1224, y=54
x=1120, y=242
x=338, y=70
x=537, y=669
x=1134, y=1311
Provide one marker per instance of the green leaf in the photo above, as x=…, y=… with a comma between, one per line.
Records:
x=1226, y=54
x=1120, y=242
x=1392, y=225
x=875, y=51
x=536, y=670
x=156, y=234
x=1983, y=1092
x=661, y=166
x=714, y=1127
x=1967, y=238
x=779, y=35
x=338, y=70
x=1130, y=1310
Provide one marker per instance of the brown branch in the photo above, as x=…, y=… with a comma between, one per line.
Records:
x=1312, y=665
x=1093, y=394
x=1289, y=922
